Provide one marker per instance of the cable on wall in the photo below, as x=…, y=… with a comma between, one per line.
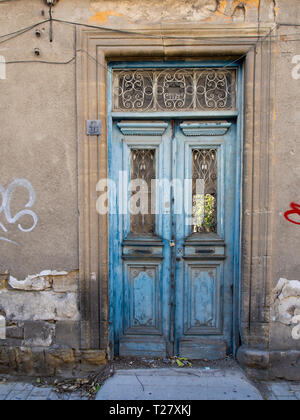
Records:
x=22, y=31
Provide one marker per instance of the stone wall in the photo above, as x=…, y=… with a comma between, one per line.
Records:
x=40, y=326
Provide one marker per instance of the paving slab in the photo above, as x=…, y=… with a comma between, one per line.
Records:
x=23, y=391
x=283, y=391
x=178, y=385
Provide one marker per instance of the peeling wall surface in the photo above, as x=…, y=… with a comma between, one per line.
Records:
x=39, y=215
x=286, y=308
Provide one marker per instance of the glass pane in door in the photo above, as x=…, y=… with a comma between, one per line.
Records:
x=205, y=186
x=143, y=171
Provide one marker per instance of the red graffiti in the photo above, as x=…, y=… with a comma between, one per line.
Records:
x=295, y=210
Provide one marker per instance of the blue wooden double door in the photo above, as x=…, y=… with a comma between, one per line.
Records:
x=172, y=214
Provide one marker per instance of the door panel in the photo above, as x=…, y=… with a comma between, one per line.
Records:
x=204, y=246
x=202, y=303
x=142, y=285
x=172, y=272
x=142, y=298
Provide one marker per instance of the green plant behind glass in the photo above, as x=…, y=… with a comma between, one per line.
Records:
x=204, y=213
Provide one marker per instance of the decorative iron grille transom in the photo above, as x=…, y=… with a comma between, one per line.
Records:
x=174, y=90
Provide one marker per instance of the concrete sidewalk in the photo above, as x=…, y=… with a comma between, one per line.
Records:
x=164, y=385
x=179, y=384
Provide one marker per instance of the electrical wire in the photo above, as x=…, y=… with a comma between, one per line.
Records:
x=21, y=32
x=128, y=32
x=27, y=28
x=103, y=28
x=41, y=61
x=207, y=40
x=288, y=24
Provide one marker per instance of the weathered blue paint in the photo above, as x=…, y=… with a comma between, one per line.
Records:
x=139, y=311
x=197, y=342
x=215, y=115
x=174, y=64
x=238, y=212
x=205, y=318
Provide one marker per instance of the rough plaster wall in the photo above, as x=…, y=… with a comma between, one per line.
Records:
x=38, y=144
x=156, y=10
x=131, y=12
x=286, y=184
x=166, y=11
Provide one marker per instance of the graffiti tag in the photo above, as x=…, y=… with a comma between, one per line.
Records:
x=295, y=210
x=5, y=207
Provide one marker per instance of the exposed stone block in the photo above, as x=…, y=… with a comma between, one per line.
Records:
x=38, y=334
x=285, y=365
x=53, y=361
x=2, y=328
x=94, y=357
x=68, y=283
x=12, y=342
x=270, y=365
x=59, y=359
x=3, y=281
x=253, y=358
x=68, y=334
x=42, y=306
x=24, y=361
x=40, y=366
x=15, y=331
x=4, y=360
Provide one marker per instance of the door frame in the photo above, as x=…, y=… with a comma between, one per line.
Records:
x=247, y=44
x=235, y=116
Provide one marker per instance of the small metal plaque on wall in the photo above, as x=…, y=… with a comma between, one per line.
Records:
x=93, y=127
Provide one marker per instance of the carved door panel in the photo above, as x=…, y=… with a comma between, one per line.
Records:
x=172, y=235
